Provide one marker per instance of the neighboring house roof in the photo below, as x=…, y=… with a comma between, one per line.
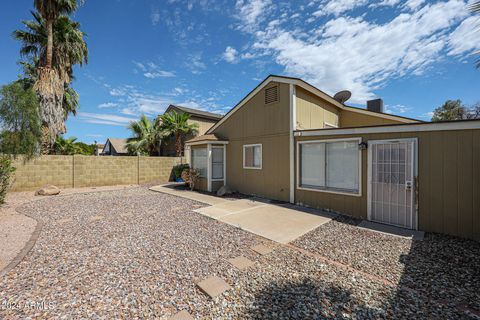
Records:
x=118, y=144
x=307, y=86
x=206, y=138
x=195, y=112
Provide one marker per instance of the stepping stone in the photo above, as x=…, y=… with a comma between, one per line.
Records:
x=262, y=249
x=96, y=218
x=241, y=262
x=213, y=286
x=182, y=315
x=62, y=221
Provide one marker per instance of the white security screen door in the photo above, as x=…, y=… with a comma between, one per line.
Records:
x=392, y=170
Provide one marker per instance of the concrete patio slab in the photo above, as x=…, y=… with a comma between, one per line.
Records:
x=182, y=315
x=205, y=198
x=230, y=207
x=276, y=223
x=391, y=230
x=213, y=286
x=241, y=262
x=262, y=249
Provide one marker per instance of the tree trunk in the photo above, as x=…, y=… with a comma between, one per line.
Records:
x=49, y=58
x=178, y=145
x=50, y=90
x=46, y=143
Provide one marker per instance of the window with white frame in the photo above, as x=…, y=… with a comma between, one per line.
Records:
x=252, y=156
x=200, y=160
x=333, y=166
x=217, y=163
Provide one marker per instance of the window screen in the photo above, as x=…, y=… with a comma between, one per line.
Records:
x=252, y=156
x=330, y=166
x=217, y=163
x=199, y=161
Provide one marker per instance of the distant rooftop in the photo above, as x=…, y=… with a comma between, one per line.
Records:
x=196, y=112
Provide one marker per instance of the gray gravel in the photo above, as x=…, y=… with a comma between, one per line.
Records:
x=441, y=267
x=143, y=252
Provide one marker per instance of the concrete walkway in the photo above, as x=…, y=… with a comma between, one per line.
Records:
x=280, y=223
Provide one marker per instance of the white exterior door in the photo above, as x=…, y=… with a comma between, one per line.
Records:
x=391, y=186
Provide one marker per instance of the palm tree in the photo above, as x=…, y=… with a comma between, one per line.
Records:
x=56, y=44
x=146, y=138
x=177, y=125
x=65, y=146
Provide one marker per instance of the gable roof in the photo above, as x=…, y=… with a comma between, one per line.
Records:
x=195, y=112
x=206, y=138
x=118, y=144
x=312, y=89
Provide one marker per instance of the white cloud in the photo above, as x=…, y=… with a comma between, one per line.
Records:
x=414, y=4
x=107, y=105
x=230, y=55
x=102, y=118
x=466, y=37
x=336, y=7
x=159, y=74
x=250, y=12
x=397, y=109
x=117, y=92
x=195, y=64
x=152, y=71
x=426, y=115
x=384, y=3
x=355, y=54
x=155, y=17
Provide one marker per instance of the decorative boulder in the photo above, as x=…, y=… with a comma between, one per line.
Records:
x=225, y=190
x=48, y=190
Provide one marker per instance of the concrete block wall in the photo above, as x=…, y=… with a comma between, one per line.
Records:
x=89, y=171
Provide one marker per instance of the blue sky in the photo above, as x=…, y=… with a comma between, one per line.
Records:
x=207, y=54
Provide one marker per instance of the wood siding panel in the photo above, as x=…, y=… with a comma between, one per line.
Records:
x=465, y=182
x=448, y=176
x=268, y=125
x=476, y=184
x=450, y=182
x=354, y=119
x=313, y=112
x=435, y=193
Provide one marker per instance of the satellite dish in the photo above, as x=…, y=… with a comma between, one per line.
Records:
x=342, y=96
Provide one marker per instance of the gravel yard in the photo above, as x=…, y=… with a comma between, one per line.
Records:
x=137, y=254
x=441, y=267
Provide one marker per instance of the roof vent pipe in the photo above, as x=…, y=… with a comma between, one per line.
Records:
x=375, y=105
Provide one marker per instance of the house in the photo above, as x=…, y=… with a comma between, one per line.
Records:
x=289, y=141
x=204, y=120
x=115, y=147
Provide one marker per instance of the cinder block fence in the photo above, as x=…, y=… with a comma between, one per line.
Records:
x=89, y=171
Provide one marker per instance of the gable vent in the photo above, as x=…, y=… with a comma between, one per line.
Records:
x=271, y=95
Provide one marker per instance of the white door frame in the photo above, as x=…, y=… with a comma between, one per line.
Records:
x=414, y=176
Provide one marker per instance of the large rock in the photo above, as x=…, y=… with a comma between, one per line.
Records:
x=225, y=190
x=48, y=190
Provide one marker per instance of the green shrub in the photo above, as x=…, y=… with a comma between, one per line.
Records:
x=6, y=171
x=178, y=169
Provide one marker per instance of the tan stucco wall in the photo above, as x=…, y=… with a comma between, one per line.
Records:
x=87, y=171
x=355, y=119
x=268, y=125
x=313, y=112
x=449, y=182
